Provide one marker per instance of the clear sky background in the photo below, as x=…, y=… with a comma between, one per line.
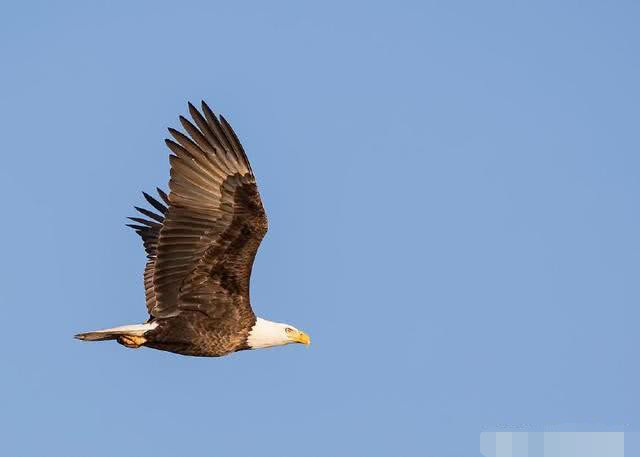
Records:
x=454, y=201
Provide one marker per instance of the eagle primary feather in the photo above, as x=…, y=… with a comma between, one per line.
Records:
x=200, y=248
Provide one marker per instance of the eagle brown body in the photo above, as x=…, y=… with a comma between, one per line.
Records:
x=193, y=333
x=201, y=242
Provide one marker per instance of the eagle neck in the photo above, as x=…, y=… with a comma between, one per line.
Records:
x=265, y=333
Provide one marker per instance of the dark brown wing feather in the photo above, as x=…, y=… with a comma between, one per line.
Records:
x=149, y=230
x=212, y=229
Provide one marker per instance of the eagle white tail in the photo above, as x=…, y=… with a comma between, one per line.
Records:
x=115, y=332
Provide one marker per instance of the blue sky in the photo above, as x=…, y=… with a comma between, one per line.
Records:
x=454, y=212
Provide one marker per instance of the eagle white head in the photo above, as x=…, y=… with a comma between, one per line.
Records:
x=265, y=334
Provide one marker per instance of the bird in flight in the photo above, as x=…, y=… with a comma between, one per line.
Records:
x=200, y=243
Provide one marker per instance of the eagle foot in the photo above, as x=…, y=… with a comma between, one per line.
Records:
x=133, y=342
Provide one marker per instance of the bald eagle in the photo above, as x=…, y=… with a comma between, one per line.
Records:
x=200, y=245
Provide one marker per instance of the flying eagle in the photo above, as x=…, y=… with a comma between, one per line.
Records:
x=200, y=247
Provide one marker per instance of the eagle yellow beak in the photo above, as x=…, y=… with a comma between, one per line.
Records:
x=302, y=338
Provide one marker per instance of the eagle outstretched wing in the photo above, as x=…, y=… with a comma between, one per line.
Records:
x=201, y=249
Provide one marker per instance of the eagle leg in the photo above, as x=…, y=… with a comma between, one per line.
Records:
x=130, y=341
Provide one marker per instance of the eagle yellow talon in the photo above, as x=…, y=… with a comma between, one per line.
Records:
x=133, y=342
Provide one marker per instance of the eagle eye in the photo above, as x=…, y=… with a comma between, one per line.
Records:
x=289, y=330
